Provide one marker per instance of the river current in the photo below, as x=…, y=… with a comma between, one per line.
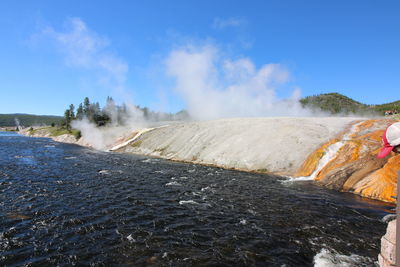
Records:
x=66, y=205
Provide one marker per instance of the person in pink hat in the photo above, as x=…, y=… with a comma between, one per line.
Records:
x=390, y=140
x=391, y=143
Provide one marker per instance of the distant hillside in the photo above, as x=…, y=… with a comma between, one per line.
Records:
x=28, y=119
x=389, y=106
x=336, y=103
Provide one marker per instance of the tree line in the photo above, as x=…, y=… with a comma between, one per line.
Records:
x=92, y=111
x=113, y=113
x=28, y=120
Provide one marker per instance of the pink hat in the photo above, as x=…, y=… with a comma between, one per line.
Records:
x=390, y=138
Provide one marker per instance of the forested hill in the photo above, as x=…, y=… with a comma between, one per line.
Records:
x=389, y=106
x=339, y=104
x=28, y=119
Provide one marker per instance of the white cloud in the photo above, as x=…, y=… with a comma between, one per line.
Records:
x=215, y=87
x=220, y=23
x=84, y=48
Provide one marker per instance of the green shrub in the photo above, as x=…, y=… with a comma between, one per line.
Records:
x=77, y=134
x=136, y=144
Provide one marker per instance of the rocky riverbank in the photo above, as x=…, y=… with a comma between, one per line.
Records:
x=56, y=134
x=339, y=153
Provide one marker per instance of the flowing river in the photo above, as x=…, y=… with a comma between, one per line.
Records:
x=67, y=205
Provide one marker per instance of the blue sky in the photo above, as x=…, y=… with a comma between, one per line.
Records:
x=350, y=47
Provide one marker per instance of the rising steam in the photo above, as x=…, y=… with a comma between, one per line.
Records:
x=122, y=124
x=214, y=87
x=211, y=86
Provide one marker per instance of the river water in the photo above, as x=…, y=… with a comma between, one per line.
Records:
x=66, y=205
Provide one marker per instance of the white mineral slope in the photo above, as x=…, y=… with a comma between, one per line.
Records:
x=64, y=138
x=276, y=145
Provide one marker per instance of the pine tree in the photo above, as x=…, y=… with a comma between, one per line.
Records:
x=97, y=108
x=86, y=106
x=67, y=118
x=79, y=112
x=72, y=111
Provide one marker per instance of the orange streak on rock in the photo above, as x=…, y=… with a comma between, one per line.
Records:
x=355, y=168
x=348, y=153
x=366, y=124
x=381, y=184
x=310, y=164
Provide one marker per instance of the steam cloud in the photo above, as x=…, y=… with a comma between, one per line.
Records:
x=85, y=49
x=17, y=123
x=122, y=125
x=214, y=87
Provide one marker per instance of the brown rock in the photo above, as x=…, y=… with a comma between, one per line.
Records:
x=336, y=178
x=367, y=166
x=381, y=184
x=343, y=178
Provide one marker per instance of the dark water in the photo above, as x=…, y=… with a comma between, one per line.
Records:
x=64, y=205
